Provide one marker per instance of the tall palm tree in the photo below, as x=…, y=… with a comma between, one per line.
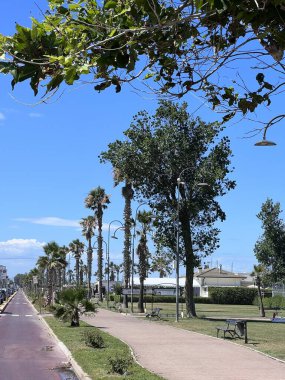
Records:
x=162, y=263
x=117, y=269
x=145, y=218
x=49, y=263
x=77, y=248
x=88, y=230
x=97, y=201
x=128, y=194
x=62, y=265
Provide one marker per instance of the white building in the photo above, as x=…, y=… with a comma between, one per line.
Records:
x=217, y=277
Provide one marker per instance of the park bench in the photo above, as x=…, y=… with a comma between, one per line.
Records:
x=236, y=328
x=154, y=314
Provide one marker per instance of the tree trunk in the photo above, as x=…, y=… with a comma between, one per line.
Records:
x=189, y=263
x=261, y=306
x=75, y=319
x=100, y=256
x=189, y=290
x=141, y=297
x=89, y=268
x=77, y=269
x=127, y=192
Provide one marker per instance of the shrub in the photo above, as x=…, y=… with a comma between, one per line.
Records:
x=203, y=300
x=232, y=296
x=94, y=339
x=120, y=364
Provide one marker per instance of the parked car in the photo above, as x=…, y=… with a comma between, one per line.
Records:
x=4, y=294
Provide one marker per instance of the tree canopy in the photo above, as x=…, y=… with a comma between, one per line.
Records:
x=158, y=150
x=172, y=47
x=270, y=247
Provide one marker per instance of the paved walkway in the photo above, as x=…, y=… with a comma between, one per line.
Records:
x=177, y=354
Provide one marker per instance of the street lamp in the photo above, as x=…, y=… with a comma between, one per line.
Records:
x=177, y=260
x=108, y=258
x=264, y=141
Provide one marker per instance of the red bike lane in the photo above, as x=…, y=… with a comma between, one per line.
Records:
x=27, y=350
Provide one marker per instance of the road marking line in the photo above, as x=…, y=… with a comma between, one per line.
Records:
x=15, y=315
x=28, y=315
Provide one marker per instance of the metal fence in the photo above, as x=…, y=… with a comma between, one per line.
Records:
x=278, y=289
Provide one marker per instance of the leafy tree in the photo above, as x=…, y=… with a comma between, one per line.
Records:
x=71, y=304
x=270, y=247
x=158, y=149
x=77, y=248
x=172, y=47
x=97, y=200
x=88, y=227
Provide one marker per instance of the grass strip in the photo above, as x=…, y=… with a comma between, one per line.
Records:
x=94, y=361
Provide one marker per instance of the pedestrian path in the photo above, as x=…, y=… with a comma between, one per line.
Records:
x=177, y=354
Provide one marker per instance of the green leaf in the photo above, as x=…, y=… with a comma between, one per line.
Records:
x=71, y=75
x=110, y=4
x=55, y=82
x=149, y=75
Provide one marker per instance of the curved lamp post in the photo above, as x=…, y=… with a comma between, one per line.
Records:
x=108, y=257
x=177, y=260
x=264, y=141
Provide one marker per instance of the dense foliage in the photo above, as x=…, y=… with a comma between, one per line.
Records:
x=232, y=296
x=270, y=247
x=172, y=47
x=159, y=150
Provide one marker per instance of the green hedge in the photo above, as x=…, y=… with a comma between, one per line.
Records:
x=160, y=299
x=276, y=302
x=232, y=296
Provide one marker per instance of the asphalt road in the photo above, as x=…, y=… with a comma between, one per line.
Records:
x=27, y=350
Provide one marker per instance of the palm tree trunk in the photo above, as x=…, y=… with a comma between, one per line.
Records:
x=128, y=195
x=100, y=256
x=141, y=297
x=77, y=269
x=89, y=268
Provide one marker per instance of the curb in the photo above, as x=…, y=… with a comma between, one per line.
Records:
x=5, y=303
x=75, y=366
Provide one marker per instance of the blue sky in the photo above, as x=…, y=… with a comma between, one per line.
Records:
x=49, y=162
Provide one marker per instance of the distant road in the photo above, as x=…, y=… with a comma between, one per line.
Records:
x=27, y=350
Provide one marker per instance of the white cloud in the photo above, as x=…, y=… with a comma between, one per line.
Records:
x=20, y=246
x=51, y=221
x=35, y=114
x=20, y=255
x=2, y=116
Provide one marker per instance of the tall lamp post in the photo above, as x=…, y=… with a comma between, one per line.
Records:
x=177, y=259
x=108, y=257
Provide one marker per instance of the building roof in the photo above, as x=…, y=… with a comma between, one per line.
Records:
x=219, y=273
x=166, y=282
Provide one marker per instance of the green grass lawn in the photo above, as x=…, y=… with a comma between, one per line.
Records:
x=95, y=361
x=266, y=337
